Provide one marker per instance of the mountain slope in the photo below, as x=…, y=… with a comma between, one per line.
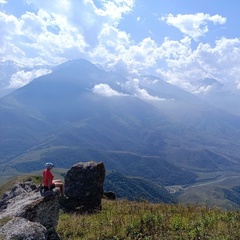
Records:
x=137, y=189
x=59, y=117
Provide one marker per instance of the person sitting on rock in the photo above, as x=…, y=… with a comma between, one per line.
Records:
x=48, y=182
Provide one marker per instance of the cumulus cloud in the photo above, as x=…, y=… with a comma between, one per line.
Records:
x=133, y=87
x=21, y=78
x=134, y=58
x=203, y=89
x=59, y=30
x=106, y=90
x=83, y=19
x=193, y=25
x=186, y=65
x=56, y=31
x=9, y=26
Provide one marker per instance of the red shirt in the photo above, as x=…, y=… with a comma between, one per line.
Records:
x=47, y=178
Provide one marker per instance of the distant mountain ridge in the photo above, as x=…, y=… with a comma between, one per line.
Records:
x=167, y=138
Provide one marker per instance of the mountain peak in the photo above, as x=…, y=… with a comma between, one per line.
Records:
x=210, y=81
x=76, y=64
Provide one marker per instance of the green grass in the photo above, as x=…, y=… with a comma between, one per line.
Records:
x=134, y=221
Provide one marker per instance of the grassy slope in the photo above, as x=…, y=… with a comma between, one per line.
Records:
x=131, y=220
x=122, y=219
x=212, y=192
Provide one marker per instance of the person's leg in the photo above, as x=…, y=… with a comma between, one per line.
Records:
x=51, y=188
x=57, y=180
x=60, y=185
x=45, y=189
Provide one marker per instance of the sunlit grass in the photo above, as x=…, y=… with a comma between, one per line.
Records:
x=131, y=220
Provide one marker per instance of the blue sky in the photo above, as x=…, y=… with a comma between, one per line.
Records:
x=180, y=41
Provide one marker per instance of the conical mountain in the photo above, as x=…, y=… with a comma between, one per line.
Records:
x=63, y=102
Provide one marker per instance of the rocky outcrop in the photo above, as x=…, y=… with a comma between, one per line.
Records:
x=30, y=215
x=29, y=210
x=21, y=228
x=84, y=187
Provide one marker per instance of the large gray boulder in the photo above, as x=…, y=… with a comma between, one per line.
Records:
x=84, y=186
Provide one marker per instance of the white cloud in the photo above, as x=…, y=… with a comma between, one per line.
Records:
x=186, y=65
x=9, y=26
x=65, y=29
x=115, y=8
x=133, y=58
x=60, y=30
x=238, y=84
x=193, y=25
x=176, y=61
x=106, y=90
x=132, y=86
x=203, y=89
x=56, y=31
x=21, y=78
x=50, y=34
x=83, y=16
x=113, y=39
